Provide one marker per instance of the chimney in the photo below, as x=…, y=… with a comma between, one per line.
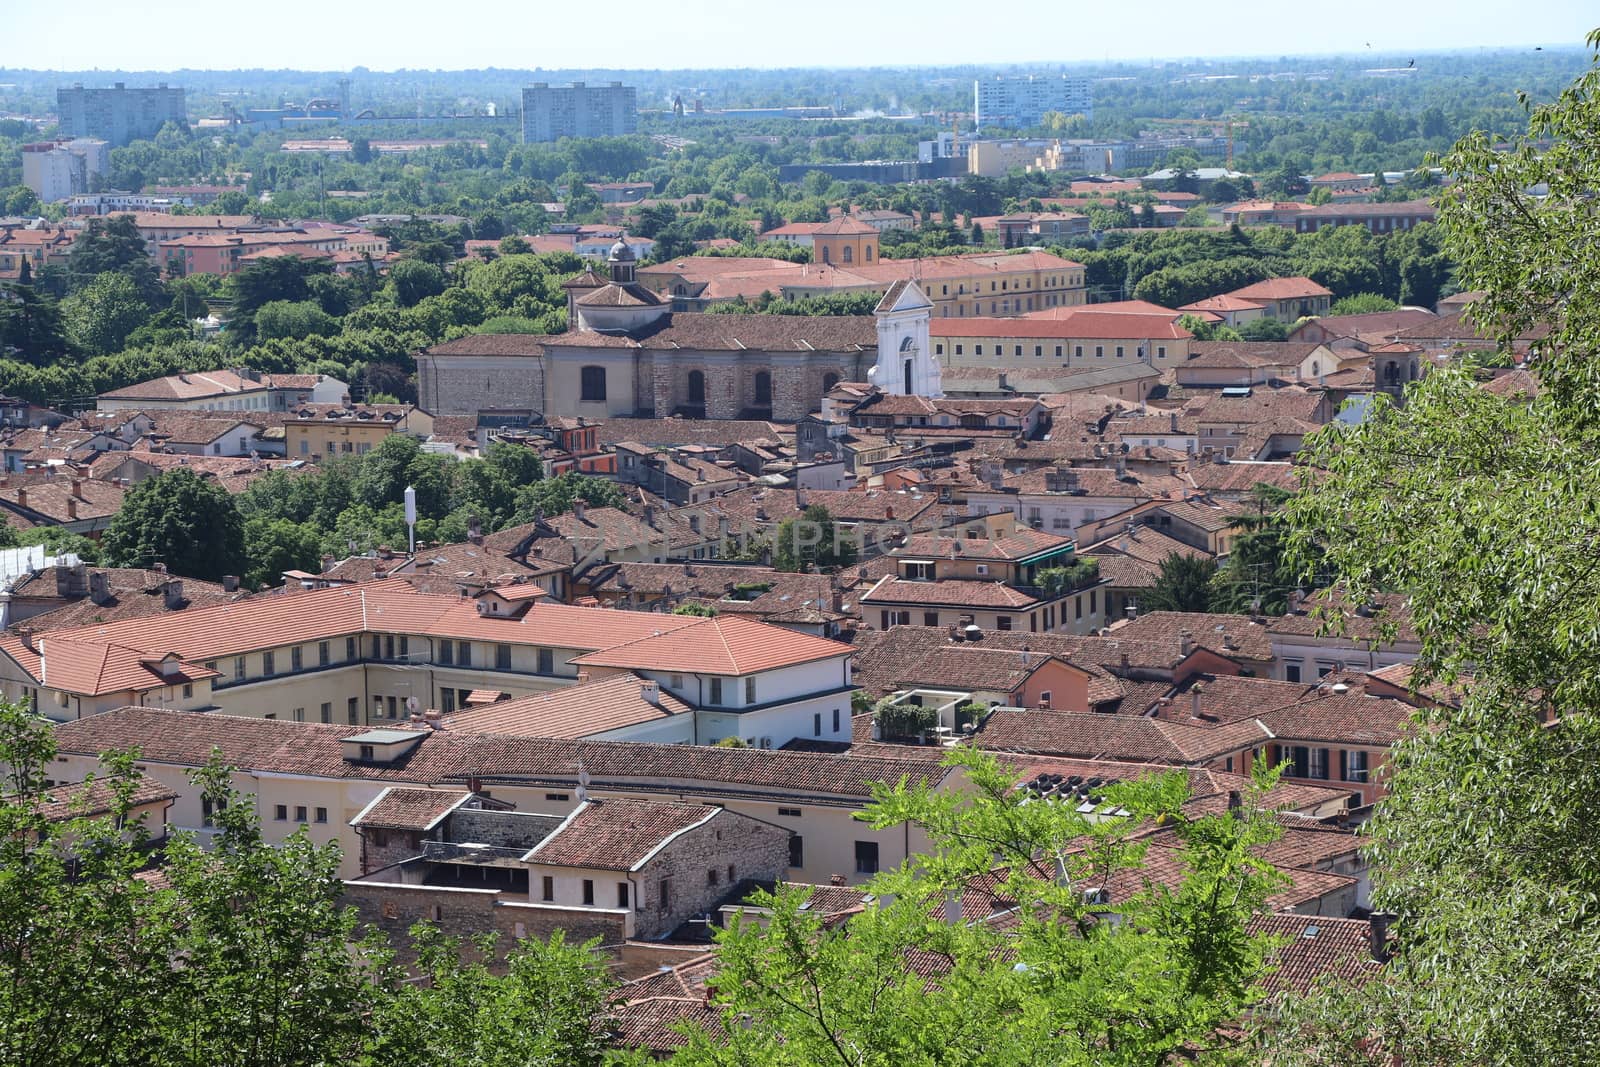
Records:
x=800, y=499
x=475, y=531
x=22, y=498
x=72, y=582
x=650, y=515
x=99, y=588
x=577, y=510
x=650, y=692
x=327, y=563
x=159, y=568
x=1185, y=642
x=1378, y=935
x=25, y=635
x=434, y=718
x=172, y=594
x=1003, y=385
x=838, y=879
x=1174, y=422
x=230, y=583
x=1195, y=692
x=1235, y=802
x=1122, y=468
x=72, y=508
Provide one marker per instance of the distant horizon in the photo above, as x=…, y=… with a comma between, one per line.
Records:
x=721, y=35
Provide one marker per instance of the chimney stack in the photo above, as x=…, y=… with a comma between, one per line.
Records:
x=475, y=531
x=99, y=588
x=77, y=488
x=1194, y=699
x=1185, y=642
x=172, y=594
x=230, y=583
x=25, y=635
x=72, y=508
x=577, y=510
x=1378, y=934
x=650, y=692
x=22, y=498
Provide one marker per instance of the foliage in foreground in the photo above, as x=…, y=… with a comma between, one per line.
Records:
x=1162, y=972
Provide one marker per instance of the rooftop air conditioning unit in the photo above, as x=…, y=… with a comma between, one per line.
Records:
x=765, y=742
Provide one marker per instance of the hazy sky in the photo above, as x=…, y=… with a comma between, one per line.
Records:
x=431, y=34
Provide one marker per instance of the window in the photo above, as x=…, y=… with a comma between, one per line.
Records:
x=1319, y=764
x=789, y=813
x=502, y=657
x=1352, y=766
x=447, y=652
x=1002, y=622
x=1119, y=351
x=367, y=752
x=377, y=647
x=835, y=720
x=749, y=690
x=188, y=690
x=977, y=350
x=322, y=814
x=622, y=894
x=1017, y=350
x=324, y=654
x=920, y=571
x=958, y=349
x=1161, y=351
x=592, y=383
x=797, y=851
x=209, y=809
x=238, y=668
x=1077, y=604
x=1058, y=351
x=588, y=891
x=352, y=710
x=447, y=700
x=463, y=653
x=716, y=690
x=394, y=707
x=763, y=384
x=1092, y=594
x=1099, y=351
x=299, y=813
x=665, y=896
x=697, y=387
x=711, y=876
x=281, y=813
x=557, y=796
x=816, y=724
x=938, y=349
x=547, y=661
x=548, y=889
x=296, y=659
x=349, y=648
x=731, y=873
x=1077, y=351
x=930, y=618
x=325, y=712
x=866, y=857
x=299, y=714
x=269, y=665
x=388, y=646
x=1291, y=671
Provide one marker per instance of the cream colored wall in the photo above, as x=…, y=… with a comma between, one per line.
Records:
x=999, y=350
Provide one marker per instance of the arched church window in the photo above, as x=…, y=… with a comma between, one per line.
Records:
x=763, y=389
x=907, y=344
x=697, y=387
x=869, y=253
x=849, y=254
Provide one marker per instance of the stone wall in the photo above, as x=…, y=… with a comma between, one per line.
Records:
x=503, y=829
x=383, y=848
x=394, y=908
x=465, y=385
x=753, y=849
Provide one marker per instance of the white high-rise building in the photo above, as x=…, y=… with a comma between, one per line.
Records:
x=1019, y=102
x=551, y=112
x=57, y=170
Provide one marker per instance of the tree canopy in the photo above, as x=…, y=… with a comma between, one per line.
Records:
x=179, y=519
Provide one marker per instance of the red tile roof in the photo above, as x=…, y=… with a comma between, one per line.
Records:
x=1280, y=289
x=726, y=645
x=407, y=808
x=573, y=711
x=619, y=834
x=1075, y=323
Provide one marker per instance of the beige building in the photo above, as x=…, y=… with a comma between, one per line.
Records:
x=1078, y=339
x=320, y=431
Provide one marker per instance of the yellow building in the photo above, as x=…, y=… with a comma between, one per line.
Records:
x=320, y=430
x=845, y=242
x=996, y=159
x=984, y=283
x=1074, y=340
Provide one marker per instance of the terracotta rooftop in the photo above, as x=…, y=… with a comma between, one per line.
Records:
x=1280, y=289
x=1083, y=322
x=619, y=834
x=582, y=710
x=719, y=645
x=404, y=808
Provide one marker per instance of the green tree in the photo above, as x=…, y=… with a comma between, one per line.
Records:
x=1480, y=511
x=1184, y=584
x=811, y=541
x=1362, y=304
x=292, y=319
x=1156, y=976
x=414, y=281
x=542, y=1006
x=273, y=546
x=114, y=245
x=555, y=496
x=30, y=323
x=1261, y=573
x=179, y=519
x=1263, y=330
x=100, y=316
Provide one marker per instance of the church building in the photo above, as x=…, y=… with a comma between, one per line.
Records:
x=627, y=354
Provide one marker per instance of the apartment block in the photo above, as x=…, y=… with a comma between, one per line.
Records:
x=120, y=114
x=551, y=112
x=1002, y=101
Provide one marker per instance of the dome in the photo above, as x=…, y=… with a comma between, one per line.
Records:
x=620, y=252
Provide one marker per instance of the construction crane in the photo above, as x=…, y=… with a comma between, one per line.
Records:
x=1231, y=126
